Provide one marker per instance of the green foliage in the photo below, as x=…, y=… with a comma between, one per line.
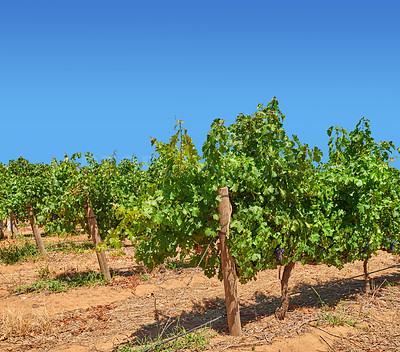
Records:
x=23, y=184
x=284, y=199
x=118, y=253
x=175, y=264
x=270, y=178
x=194, y=341
x=60, y=192
x=361, y=191
x=100, y=184
x=175, y=214
x=75, y=186
x=287, y=205
x=63, y=283
x=16, y=254
x=72, y=247
x=132, y=180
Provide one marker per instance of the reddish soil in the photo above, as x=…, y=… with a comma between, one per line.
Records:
x=137, y=303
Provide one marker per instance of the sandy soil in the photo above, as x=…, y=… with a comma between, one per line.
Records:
x=136, y=304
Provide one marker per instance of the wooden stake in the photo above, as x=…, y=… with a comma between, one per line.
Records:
x=368, y=284
x=35, y=230
x=1, y=230
x=281, y=311
x=8, y=228
x=94, y=231
x=4, y=229
x=228, y=265
x=14, y=227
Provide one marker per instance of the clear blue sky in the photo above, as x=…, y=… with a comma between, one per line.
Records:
x=99, y=76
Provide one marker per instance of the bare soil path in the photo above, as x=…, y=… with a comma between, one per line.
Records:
x=136, y=304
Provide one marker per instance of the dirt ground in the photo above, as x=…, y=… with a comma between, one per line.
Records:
x=324, y=315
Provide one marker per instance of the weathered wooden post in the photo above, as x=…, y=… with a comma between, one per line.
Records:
x=228, y=265
x=13, y=224
x=1, y=229
x=6, y=229
x=368, y=280
x=35, y=230
x=94, y=231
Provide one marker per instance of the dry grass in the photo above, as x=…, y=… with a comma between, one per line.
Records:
x=367, y=322
x=339, y=316
x=15, y=323
x=380, y=315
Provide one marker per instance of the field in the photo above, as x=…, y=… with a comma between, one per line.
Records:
x=324, y=315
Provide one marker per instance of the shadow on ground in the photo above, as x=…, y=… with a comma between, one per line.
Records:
x=303, y=296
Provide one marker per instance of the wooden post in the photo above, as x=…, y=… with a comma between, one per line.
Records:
x=35, y=230
x=228, y=265
x=94, y=231
x=281, y=311
x=4, y=229
x=8, y=228
x=13, y=224
x=368, y=280
x=1, y=230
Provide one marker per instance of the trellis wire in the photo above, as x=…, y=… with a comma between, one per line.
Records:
x=180, y=299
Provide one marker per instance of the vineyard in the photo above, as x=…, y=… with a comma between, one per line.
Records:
x=255, y=209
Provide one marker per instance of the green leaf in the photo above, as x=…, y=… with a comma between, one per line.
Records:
x=255, y=257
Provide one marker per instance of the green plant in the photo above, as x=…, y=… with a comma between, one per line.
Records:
x=175, y=264
x=73, y=247
x=390, y=284
x=144, y=277
x=16, y=254
x=63, y=283
x=24, y=184
x=88, y=279
x=330, y=316
x=118, y=253
x=52, y=285
x=43, y=273
x=335, y=318
x=193, y=341
x=287, y=205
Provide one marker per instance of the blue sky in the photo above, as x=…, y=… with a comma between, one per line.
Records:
x=101, y=76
